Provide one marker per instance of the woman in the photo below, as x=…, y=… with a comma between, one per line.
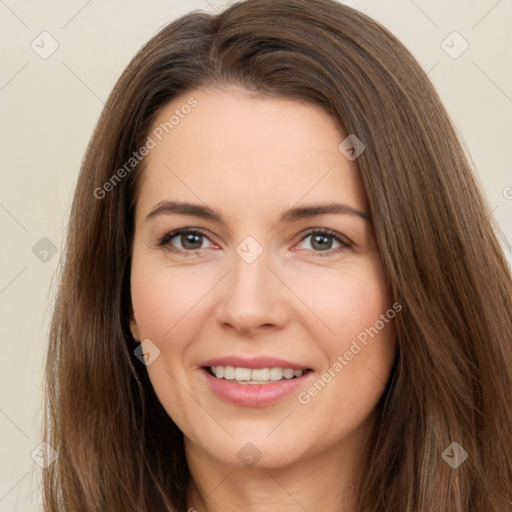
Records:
x=283, y=289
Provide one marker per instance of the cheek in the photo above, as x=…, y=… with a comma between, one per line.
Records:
x=360, y=353
x=162, y=297
x=153, y=302
x=163, y=302
x=355, y=307
x=347, y=301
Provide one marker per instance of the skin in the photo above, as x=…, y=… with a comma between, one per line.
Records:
x=250, y=159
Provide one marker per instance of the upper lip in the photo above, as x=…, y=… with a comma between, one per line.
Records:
x=254, y=362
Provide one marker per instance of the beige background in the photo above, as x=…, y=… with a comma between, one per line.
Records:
x=48, y=109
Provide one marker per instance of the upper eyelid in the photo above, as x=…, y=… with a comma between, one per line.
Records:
x=186, y=230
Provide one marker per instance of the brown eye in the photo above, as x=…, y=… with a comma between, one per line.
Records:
x=321, y=242
x=325, y=241
x=191, y=241
x=184, y=240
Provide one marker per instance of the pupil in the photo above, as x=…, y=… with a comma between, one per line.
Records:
x=324, y=242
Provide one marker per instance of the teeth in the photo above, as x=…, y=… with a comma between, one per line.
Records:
x=229, y=372
x=257, y=376
x=263, y=374
x=242, y=374
x=276, y=373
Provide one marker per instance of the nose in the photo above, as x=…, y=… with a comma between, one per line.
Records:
x=251, y=298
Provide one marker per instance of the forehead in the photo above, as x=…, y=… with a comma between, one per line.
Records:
x=231, y=146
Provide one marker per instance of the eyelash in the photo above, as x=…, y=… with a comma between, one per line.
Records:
x=344, y=243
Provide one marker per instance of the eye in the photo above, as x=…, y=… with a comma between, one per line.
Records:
x=325, y=241
x=185, y=240
x=188, y=241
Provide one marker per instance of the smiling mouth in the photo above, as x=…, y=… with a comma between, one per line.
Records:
x=241, y=375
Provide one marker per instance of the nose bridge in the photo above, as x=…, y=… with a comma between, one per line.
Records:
x=250, y=274
x=251, y=295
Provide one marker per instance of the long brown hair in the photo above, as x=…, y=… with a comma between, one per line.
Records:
x=118, y=450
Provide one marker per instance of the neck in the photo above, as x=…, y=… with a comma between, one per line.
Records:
x=324, y=481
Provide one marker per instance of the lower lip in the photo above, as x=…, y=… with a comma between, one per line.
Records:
x=254, y=395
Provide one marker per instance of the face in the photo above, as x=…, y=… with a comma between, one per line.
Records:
x=271, y=286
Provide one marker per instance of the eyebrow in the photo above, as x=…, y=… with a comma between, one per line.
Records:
x=291, y=215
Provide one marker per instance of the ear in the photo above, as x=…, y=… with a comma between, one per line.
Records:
x=134, y=328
